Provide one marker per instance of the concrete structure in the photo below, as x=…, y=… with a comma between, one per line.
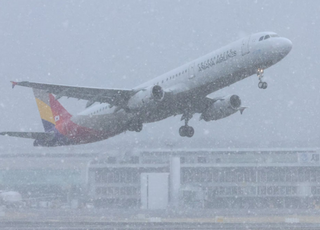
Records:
x=199, y=178
x=211, y=179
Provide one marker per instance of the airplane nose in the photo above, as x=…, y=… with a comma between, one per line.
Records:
x=283, y=47
x=286, y=46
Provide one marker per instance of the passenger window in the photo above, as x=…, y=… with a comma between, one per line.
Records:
x=266, y=37
x=261, y=39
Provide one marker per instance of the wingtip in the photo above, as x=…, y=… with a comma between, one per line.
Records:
x=14, y=83
x=242, y=109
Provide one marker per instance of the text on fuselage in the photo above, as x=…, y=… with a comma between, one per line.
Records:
x=217, y=59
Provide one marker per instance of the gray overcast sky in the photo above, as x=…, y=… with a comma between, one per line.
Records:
x=124, y=43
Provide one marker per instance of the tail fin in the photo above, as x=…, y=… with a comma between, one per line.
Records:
x=52, y=113
x=43, y=103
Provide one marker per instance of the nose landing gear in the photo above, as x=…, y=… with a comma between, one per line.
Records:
x=261, y=84
x=186, y=131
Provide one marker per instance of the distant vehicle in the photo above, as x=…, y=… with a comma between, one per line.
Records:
x=11, y=199
x=182, y=91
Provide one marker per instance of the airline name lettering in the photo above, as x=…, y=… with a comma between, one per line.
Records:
x=216, y=60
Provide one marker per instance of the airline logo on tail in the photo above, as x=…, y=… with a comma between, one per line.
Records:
x=44, y=107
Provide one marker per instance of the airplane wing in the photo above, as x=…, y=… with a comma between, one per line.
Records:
x=116, y=97
x=30, y=135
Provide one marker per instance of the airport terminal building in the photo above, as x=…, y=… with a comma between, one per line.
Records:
x=168, y=179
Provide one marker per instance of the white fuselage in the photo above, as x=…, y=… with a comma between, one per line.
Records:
x=191, y=82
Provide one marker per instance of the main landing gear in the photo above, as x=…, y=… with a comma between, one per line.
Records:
x=261, y=84
x=186, y=131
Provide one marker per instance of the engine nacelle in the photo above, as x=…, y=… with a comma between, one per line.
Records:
x=222, y=108
x=145, y=97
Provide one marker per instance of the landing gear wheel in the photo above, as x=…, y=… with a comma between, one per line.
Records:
x=264, y=85
x=186, y=131
x=182, y=131
x=190, y=131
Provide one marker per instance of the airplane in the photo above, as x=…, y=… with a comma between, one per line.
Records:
x=183, y=91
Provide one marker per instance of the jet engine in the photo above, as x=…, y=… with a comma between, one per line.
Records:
x=221, y=108
x=146, y=96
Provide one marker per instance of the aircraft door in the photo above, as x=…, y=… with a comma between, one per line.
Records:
x=191, y=71
x=245, y=48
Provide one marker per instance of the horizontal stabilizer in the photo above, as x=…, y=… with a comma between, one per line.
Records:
x=30, y=135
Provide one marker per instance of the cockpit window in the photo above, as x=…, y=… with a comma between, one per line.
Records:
x=268, y=36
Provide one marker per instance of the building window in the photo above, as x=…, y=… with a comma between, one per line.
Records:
x=109, y=178
x=262, y=190
x=202, y=160
x=111, y=160
x=221, y=177
x=270, y=190
x=134, y=160
x=116, y=177
x=240, y=177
